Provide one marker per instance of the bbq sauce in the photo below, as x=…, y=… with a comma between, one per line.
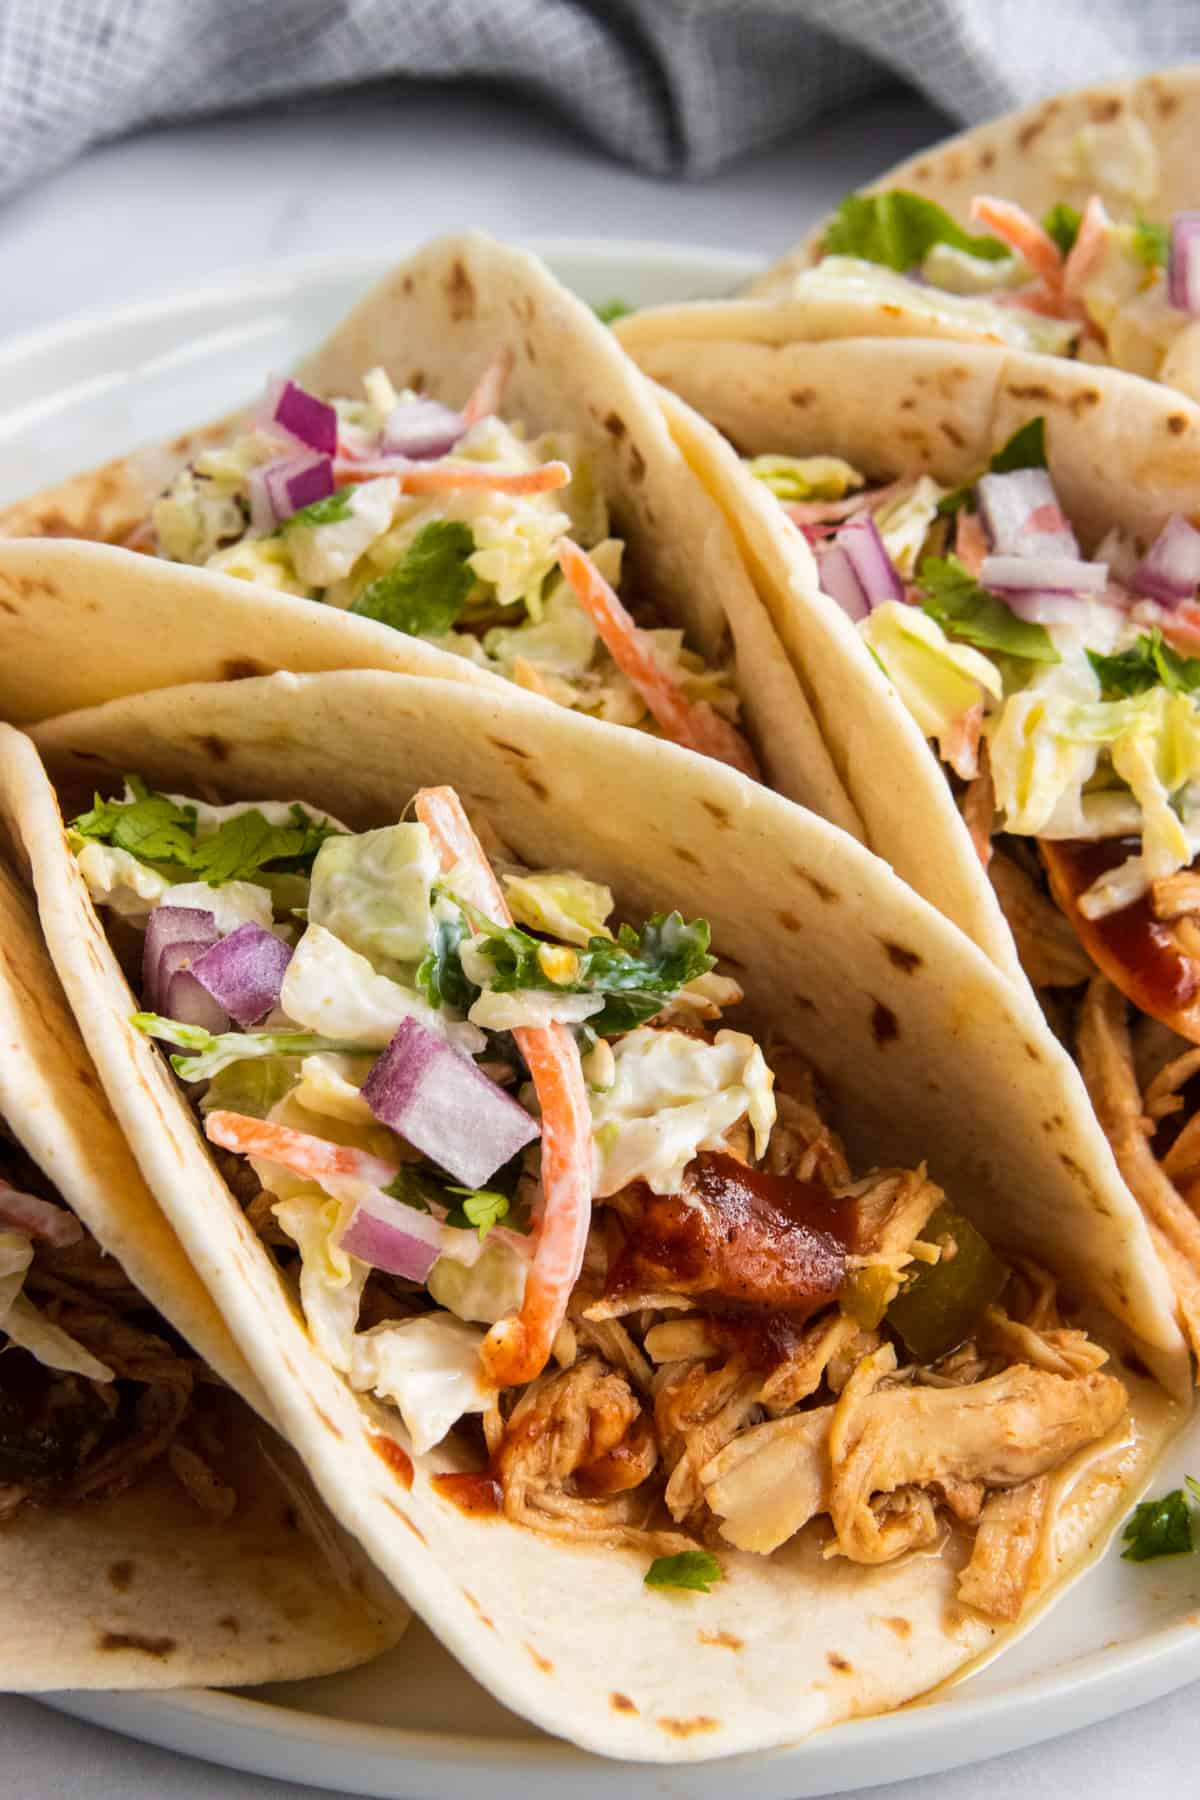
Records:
x=741, y=1237
x=395, y=1456
x=477, y=1494
x=1139, y=953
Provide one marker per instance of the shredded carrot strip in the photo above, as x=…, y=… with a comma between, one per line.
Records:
x=489, y=389
x=517, y=1349
x=454, y=477
x=970, y=541
x=1022, y=233
x=694, y=724
x=1088, y=247
x=297, y=1150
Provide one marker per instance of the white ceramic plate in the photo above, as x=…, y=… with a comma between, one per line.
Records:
x=412, y=1724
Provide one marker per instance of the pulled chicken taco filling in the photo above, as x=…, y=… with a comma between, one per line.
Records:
x=532, y=1191
x=95, y=1390
x=1078, y=282
x=453, y=527
x=1061, y=695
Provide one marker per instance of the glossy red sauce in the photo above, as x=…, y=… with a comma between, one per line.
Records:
x=1139, y=953
x=479, y=1495
x=741, y=1238
x=395, y=1456
x=619, y=1469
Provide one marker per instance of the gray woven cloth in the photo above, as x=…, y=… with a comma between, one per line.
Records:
x=675, y=86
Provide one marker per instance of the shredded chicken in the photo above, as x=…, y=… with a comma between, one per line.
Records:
x=879, y=1438
x=1106, y=1061
x=1175, y=896
x=698, y=1411
x=978, y=808
x=1049, y=950
x=996, y=1580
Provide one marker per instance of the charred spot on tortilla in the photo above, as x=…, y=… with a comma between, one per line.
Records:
x=530, y=352
x=540, y=1661
x=230, y=1624
x=134, y=1640
x=901, y=1626
x=686, y=1728
x=1166, y=102
x=839, y=1663
x=1105, y=109
x=720, y=815
x=394, y=1455
x=622, y=1703
x=789, y=921
x=291, y=1519
x=510, y=749
x=1031, y=1051
x=1029, y=134
x=412, y=1525
x=537, y=788
x=987, y=157
x=120, y=1574
x=215, y=747
x=1032, y=390
x=906, y=960
x=820, y=888
x=683, y=855
x=614, y=424
x=460, y=293
x=637, y=464
x=1177, y=423
x=721, y=1640
x=802, y=396
x=953, y=434
x=242, y=668
x=885, y=1026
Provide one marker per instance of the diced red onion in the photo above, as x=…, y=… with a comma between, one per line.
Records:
x=167, y=925
x=389, y=1235
x=1170, y=569
x=1039, y=606
x=421, y=429
x=279, y=489
x=437, y=1100
x=37, y=1218
x=1183, y=262
x=1021, y=511
x=288, y=410
x=877, y=575
x=189, y=1001
x=1055, y=574
x=840, y=581
x=244, y=972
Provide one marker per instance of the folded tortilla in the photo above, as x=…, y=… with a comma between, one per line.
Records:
x=1126, y=144
x=175, y=1539
x=434, y=324
x=907, y=1025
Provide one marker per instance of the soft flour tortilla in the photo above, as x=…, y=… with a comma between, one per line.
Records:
x=434, y=323
x=144, y=1590
x=1121, y=452
x=914, y=1033
x=1029, y=156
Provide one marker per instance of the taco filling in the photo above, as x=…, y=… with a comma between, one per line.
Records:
x=95, y=1388
x=534, y=1193
x=1060, y=693
x=1074, y=283
x=453, y=527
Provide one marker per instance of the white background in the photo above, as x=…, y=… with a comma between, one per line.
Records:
x=174, y=208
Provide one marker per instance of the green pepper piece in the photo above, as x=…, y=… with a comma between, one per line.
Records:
x=865, y=1297
x=942, y=1302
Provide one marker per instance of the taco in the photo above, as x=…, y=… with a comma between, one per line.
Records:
x=660, y=1266
x=1068, y=228
x=1011, y=582
x=470, y=480
x=153, y=1531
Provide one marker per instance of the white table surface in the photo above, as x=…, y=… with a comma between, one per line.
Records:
x=175, y=207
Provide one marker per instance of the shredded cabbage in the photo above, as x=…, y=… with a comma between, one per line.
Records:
x=373, y=891
x=24, y=1325
x=428, y=1368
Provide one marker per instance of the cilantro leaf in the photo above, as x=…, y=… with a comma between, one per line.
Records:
x=608, y=310
x=899, y=229
x=638, y=972
x=695, y=1569
x=329, y=511
x=440, y=974
x=1025, y=449
x=1147, y=663
x=1161, y=1527
x=1062, y=223
x=150, y=827
x=967, y=611
x=642, y=969
x=247, y=843
x=416, y=1187
x=1151, y=242
x=481, y=1208
x=427, y=590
